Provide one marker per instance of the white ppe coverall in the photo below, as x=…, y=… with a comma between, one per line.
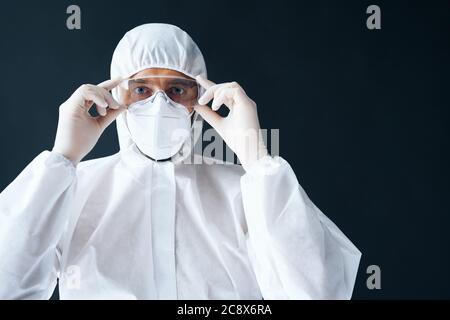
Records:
x=127, y=227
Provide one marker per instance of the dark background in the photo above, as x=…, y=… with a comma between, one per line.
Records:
x=363, y=115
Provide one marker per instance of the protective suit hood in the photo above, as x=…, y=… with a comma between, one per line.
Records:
x=157, y=45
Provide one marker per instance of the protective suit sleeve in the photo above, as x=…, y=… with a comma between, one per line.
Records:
x=295, y=250
x=33, y=214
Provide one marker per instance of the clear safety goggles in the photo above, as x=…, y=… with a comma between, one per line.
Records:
x=181, y=90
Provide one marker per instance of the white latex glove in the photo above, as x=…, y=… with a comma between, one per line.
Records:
x=78, y=131
x=240, y=128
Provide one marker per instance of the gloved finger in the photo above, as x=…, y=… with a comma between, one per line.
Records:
x=111, y=115
x=240, y=95
x=110, y=84
x=209, y=94
x=209, y=86
x=95, y=97
x=205, y=83
x=113, y=104
x=223, y=95
x=219, y=99
x=210, y=116
x=100, y=110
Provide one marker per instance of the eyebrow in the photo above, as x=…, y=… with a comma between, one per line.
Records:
x=187, y=82
x=137, y=80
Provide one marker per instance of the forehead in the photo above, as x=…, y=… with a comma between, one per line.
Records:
x=159, y=72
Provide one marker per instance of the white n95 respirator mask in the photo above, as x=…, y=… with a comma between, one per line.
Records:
x=158, y=125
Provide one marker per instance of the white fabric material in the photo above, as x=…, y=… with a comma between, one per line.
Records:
x=126, y=227
x=158, y=125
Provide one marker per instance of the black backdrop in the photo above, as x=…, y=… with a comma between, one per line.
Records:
x=362, y=114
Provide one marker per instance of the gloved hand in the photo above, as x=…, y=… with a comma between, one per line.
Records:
x=240, y=128
x=78, y=131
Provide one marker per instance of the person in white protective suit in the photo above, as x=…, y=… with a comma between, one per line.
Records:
x=145, y=224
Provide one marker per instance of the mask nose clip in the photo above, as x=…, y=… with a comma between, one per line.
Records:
x=160, y=93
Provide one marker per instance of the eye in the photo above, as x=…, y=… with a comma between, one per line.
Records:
x=176, y=90
x=141, y=90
